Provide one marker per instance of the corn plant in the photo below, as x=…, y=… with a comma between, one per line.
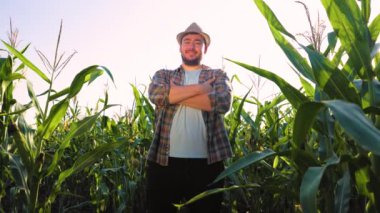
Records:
x=31, y=155
x=269, y=126
x=119, y=180
x=335, y=143
x=268, y=185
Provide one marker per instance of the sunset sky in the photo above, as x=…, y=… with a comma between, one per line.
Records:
x=135, y=38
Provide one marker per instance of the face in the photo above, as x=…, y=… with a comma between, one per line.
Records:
x=191, y=49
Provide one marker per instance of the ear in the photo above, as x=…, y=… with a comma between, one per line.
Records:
x=205, y=50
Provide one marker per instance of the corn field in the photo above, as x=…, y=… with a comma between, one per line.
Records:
x=310, y=149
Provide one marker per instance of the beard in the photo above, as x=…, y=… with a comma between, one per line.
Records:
x=191, y=62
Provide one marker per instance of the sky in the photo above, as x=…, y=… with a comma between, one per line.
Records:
x=135, y=38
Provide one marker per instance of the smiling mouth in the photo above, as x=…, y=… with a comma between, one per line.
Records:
x=191, y=52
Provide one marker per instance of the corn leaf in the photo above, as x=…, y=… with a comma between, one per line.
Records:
x=331, y=80
x=76, y=129
x=14, y=76
x=366, y=9
x=362, y=179
x=59, y=94
x=349, y=116
x=82, y=162
x=337, y=58
x=27, y=62
x=304, y=120
x=332, y=39
x=22, y=146
x=2, y=62
x=309, y=89
x=293, y=55
x=148, y=108
x=343, y=193
x=351, y=29
x=20, y=67
x=17, y=112
x=264, y=109
x=374, y=28
x=271, y=18
x=294, y=96
x=302, y=160
x=356, y=124
x=6, y=67
x=214, y=191
x=32, y=96
x=236, y=120
x=93, y=156
x=55, y=116
x=244, y=162
x=25, y=49
x=310, y=184
x=26, y=131
x=88, y=74
x=139, y=103
x=363, y=87
x=277, y=28
x=19, y=173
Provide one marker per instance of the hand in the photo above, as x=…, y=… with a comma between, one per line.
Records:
x=172, y=84
x=206, y=86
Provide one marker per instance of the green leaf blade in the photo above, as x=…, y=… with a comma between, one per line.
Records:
x=244, y=162
x=293, y=55
x=304, y=120
x=294, y=96
x=310, y=184
x=331, y=80
x=27, y=62
x=55, y=116
x=88, y=74
x=353, y=33
x=343, y=193
x=271, y=17
x=76, y=130
x=356, y=124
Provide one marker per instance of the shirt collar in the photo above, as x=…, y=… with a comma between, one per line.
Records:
x=203, y=67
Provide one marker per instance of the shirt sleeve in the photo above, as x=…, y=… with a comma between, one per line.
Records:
x=159, y=88
x=220, y=98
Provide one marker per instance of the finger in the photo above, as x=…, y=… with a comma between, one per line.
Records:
x=211, y=79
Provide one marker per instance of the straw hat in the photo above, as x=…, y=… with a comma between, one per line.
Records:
x=194, y=28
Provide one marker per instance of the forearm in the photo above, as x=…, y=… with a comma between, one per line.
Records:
x=178, y=94
x=201, y=102
x=221, y=97
x=159, y=88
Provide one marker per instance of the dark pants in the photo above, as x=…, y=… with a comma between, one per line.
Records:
x=181, y=180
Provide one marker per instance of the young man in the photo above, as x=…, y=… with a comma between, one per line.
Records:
x=190, y=141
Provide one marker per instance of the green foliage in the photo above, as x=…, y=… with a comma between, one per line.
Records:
x=28, y=148
x=309, y=149
x=338, y=119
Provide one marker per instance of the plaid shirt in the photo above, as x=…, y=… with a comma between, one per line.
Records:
x=218, y=146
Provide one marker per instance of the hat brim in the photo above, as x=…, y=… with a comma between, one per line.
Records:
x=205, y=36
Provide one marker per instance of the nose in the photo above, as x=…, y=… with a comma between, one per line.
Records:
x=192, y=46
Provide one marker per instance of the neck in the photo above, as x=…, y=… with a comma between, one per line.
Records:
x=191, y=68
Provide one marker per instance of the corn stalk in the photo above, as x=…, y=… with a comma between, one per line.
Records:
x=28, y=164
x=335, y=135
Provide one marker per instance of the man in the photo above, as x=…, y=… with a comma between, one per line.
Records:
x=190, y=141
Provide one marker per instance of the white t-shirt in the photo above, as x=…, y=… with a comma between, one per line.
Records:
x=188, y=136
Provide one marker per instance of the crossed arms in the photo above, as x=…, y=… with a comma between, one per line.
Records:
x=195, y=95
x=212, y=95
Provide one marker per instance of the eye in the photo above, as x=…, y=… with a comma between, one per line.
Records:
x=198, y=43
